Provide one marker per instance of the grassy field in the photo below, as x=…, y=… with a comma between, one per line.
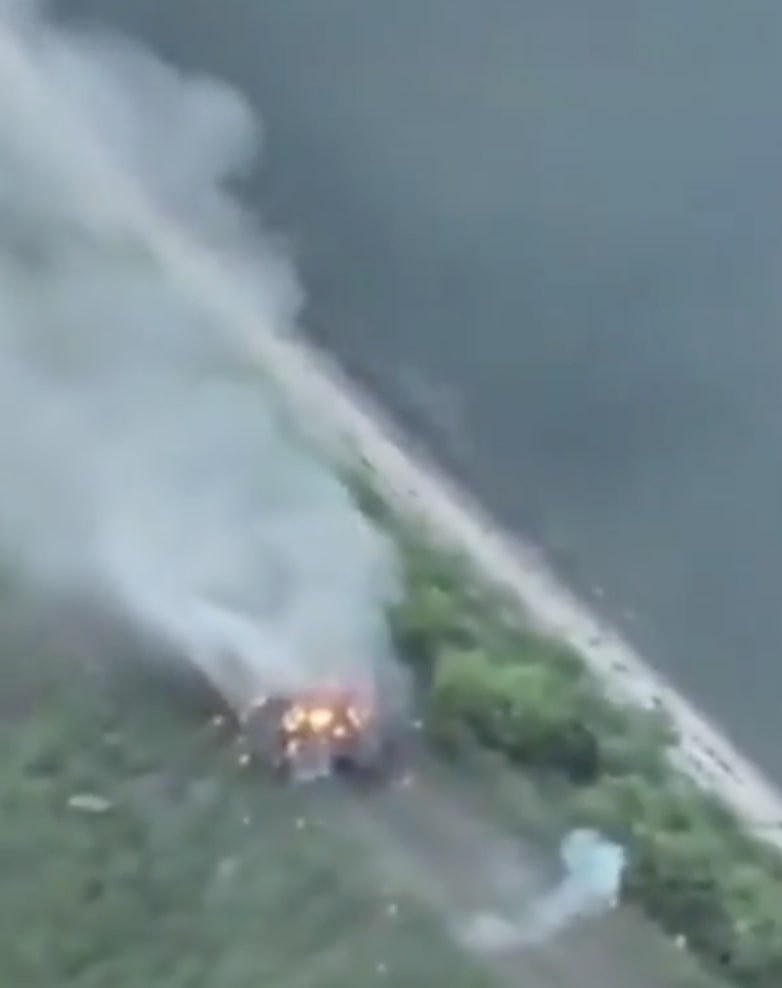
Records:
x=196, y=872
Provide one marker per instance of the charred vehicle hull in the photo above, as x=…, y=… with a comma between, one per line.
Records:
x=310, y=737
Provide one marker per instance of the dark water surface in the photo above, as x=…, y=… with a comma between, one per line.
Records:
x=549, y=234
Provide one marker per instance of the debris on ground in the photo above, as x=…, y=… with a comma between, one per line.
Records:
x=89, y=803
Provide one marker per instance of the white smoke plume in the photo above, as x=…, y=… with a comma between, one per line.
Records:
x=141, y=457
x=591, y=885
x=594, y=867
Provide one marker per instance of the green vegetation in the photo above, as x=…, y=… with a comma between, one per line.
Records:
x=488, y=681
x=194, y=872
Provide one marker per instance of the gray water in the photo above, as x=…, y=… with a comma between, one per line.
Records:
x=549, y=235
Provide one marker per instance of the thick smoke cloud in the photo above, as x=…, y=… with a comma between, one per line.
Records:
x=142, y=458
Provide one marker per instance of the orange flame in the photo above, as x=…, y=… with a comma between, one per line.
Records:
x=324, y=717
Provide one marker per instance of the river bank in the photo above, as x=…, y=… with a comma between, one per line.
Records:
x=353, y=425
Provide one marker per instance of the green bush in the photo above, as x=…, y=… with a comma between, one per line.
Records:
x=516, y=710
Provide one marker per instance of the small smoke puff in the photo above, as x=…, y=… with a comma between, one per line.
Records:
x=591, y=885
x=595, y=862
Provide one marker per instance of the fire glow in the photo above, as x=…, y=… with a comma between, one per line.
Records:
x=336, y=718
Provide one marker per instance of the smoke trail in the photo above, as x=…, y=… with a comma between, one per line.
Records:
x=141, y=459
x=592, y=883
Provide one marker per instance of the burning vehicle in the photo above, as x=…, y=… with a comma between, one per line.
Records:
x=316, y=734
